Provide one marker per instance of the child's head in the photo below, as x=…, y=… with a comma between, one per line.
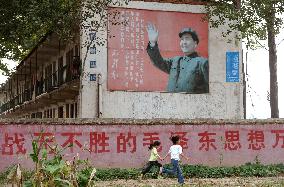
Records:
x=175, y=139
x=154, y=144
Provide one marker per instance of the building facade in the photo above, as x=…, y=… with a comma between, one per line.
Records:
x=46, y=83
x=117, y=78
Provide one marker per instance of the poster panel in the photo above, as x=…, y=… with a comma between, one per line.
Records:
x=135, y=66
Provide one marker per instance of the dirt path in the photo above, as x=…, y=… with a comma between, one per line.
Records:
x=222, y=182
x=229, y=182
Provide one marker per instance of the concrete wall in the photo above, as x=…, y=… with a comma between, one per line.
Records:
x=224, y=100
x=124, y=143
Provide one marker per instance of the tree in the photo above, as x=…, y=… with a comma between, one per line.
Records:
x=25, y=22
x=256, y=20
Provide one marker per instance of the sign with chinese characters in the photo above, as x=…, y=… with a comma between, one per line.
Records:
x=93, y=50
x=127, y=145
x=93, y=64
x=93, y=77
x=232, y=67
x=129, y=65
x=92, y=36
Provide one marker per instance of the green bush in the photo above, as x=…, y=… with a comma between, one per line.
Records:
x=197, y=171
x=50, y=170
x=189, y=171
x=116, y=173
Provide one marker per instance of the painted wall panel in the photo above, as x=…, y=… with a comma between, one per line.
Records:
x=126, y=145
x=224, y=100
x=129, y=66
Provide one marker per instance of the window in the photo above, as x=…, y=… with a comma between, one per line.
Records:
x=33, y=115
x=67, y=110
x=60, y=112
x=54, y=113
x=60, y=71
x=50, y=113
x=39, y=115
x=76, y=115
x=72, y=111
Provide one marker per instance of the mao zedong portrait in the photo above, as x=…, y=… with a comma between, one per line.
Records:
x=187, y=73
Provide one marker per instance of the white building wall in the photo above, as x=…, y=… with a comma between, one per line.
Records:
x=87, y=100
x=224, y=100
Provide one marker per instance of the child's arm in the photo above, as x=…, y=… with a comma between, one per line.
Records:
x=166, y=156
x=159, y=157
x=157, y=154
x=187, y=158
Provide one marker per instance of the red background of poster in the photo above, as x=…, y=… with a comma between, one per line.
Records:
x=130, y=41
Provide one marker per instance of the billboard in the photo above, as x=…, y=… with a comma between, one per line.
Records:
x=175, y=59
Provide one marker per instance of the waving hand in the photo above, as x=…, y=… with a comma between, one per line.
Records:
x=152, y=34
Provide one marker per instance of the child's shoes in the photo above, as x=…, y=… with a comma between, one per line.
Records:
x=160, y=177
x=161, y=171
x=140, y=177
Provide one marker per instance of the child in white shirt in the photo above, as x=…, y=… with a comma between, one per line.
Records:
x=175, y=151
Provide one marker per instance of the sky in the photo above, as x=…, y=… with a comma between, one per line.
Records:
x=11, y=64
x=257, y=80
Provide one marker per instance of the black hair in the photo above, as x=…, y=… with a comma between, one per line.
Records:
x=155, y=143
x=191, y=32
x=175, y=139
